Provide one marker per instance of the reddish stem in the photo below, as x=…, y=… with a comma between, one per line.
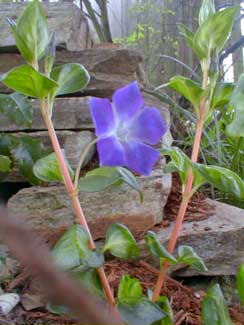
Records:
x=80, y=217
x=186, y=196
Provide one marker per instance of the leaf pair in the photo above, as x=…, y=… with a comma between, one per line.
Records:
x=186, y=254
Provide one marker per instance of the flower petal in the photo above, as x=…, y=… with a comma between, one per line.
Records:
x=111, y=152
x=140, y=157
x=127, y=100
x=102, y=115
x=148, y=126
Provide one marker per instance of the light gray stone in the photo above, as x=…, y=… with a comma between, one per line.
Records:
x=50, y=207
x=218, y=240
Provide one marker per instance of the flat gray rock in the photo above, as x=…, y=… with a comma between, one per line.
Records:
x=218, y=240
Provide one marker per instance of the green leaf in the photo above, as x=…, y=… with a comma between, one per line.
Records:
x=187, y=34
x=181, y=164
x=214, y=310
x=240, y=283
x=212, y=35
x=188, y=88
x=101, y=178
x=71, y=78
x=72, y=251
x=165, y=306
x=236, y=127
x=58, y=309
x=130, y=289
x=31, y=32
x=206, y=11
x=188, y=256
x=157, y=249
x=142, y=312
x=120, y=242
x=47, y=168
x=28, y=81
x=222, y=178
x=5, y=164
x=25, y=152
x=17, y=108
x=90, y=280
x=222, y=94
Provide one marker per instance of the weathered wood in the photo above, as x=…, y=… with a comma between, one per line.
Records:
x=46, y=208
x=109, y=68
x=73, y=144
x=72, y=114
x=66, y=20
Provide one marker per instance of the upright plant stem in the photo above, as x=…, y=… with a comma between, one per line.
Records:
x=186, y=195
x=80, y=217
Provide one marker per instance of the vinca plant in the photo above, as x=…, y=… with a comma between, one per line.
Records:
x=126, y=132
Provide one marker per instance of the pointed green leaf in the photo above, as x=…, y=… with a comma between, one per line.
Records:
x=236, y=127
x=72, y=251
x=222, y=94
x=71, y=78
x=47, y=168
x=5, y=164
x=90, y=280
x=188, y=88
x=212, y=35
x=206, y=11
x=25, y=152
x=129, y=178
x=130, y=289
x=164, y=304
x=240, y=283
x=157, y=249
x=222, y=178
x=214, y=310
x=28, y=81
x=31, y=32
x=187, y=34
x=120, y=242
x=143, y=312
x=188, y=256
x=17, y=108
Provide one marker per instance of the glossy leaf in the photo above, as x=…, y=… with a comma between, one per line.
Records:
x=5, y=164
x=188, y=256
x=143, y=312
x=236, y=127
x=214, y=310
x=187, y=34
x=28, y=81
x=47, y=168
x=72, y=251
x=101, y=178
x=155, y=248
x=206, y=11
x=222, y=94
x=71, y=78
x=240, y=283
x=164, y=304
x=17, y=108
x=212, y=35
x=31, y=32
x=222, y=178
x=25, y=152
x=130, y=289
x=90, y=280
x=120, y=242
x=188, y=88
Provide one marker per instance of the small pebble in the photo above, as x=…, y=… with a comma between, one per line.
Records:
x=7, y=302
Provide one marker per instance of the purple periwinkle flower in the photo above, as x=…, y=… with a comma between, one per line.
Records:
x=126, y=130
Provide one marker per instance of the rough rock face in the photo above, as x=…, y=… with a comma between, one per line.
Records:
x=219, y=240
x=50, y=207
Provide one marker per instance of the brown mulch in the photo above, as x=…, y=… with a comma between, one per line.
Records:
x=186, y=302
